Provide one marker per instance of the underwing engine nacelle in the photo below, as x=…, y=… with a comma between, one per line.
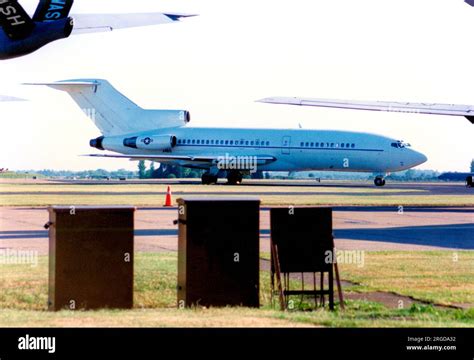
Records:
x=159, y=142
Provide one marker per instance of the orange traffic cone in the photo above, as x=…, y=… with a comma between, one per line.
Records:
x=168, y=197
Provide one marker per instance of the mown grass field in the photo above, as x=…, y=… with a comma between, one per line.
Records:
x=441, y=277
x=425, y=275
x=28, y=193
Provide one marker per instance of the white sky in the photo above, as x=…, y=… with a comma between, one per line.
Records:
x=235, y=52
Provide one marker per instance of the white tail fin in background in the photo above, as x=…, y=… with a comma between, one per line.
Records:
x=112, y=112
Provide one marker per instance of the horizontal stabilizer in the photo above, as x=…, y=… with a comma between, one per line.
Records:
x=62, y=85
x=401, y=107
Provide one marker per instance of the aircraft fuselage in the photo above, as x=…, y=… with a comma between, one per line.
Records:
x=293, y=149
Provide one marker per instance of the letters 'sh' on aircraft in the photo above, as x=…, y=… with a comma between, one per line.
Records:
x=21, y=35
x=164, y=136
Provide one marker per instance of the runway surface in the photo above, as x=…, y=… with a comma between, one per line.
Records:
x=396, y=188
x=355, y=228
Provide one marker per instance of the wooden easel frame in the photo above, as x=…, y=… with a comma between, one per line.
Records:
x=284, y=292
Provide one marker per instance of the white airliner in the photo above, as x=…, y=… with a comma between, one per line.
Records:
x=164, y=136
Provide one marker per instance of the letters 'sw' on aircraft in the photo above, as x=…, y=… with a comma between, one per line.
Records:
x=164, y=136
x=21, y=34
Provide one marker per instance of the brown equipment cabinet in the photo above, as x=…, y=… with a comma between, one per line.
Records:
x=218, y=252
x=90, y=257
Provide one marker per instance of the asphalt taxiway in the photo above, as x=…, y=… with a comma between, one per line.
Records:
x=355, y=228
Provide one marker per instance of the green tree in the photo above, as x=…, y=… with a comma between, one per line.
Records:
x=141, y=169
x=151, y=171
x=165, y=170
x=472, y=165
x=160, y=173
x=192, y=174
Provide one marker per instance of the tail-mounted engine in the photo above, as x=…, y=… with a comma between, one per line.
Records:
x=161, y=142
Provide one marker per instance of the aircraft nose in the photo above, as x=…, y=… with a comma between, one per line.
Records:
x=417, y=158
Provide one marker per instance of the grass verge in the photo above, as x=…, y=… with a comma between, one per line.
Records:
x=23, y=296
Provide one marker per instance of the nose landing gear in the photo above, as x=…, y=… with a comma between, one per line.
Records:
x=379, y=181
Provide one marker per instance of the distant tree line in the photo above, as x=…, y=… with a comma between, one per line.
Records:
x=415, y=175
x=84, y=174
x=163, y=171
x=407, y=175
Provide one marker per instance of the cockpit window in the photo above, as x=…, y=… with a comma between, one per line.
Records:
x=400, y=144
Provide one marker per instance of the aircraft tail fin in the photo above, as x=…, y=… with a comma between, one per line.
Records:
x=112, y=112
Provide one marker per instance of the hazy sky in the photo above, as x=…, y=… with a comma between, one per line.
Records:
x=216, y=65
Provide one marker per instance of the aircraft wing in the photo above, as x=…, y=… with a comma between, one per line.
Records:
x=48, y=10
x=14, y=20
x=403, y=107
x=211, y=159
x=88, y=23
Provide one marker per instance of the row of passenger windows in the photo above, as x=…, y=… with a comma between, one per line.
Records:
x=223, y=142
x=328, y=145
x=259, y=143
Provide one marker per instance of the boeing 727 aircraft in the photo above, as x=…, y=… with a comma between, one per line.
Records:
x=164, y=136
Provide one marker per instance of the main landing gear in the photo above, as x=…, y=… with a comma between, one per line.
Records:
x=234, y=177
x=208, y=179
x=379, y=181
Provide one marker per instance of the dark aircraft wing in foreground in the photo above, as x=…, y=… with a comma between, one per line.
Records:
x=21, y=35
